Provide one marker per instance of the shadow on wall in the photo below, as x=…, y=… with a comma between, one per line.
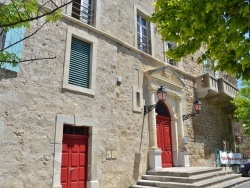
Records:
x=5, y=74
x=137, y=162
x=137, y=159
x=209, y=131
x=138, y=155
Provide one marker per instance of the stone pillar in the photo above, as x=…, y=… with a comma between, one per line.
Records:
x=152, y=123
x=175, y=144
x=154, y=152
x=184, y=157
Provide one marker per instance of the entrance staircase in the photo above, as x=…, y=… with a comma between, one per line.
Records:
x=191, y=177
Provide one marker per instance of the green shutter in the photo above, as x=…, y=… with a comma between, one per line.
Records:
x=79, y=66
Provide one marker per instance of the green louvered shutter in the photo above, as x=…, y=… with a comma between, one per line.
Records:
x=79, y=63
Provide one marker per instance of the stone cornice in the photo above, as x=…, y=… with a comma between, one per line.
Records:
x=115, y=39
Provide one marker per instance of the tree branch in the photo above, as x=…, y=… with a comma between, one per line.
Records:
x=26, y=60
x=16, y=10
x=41, y=7
x=35, y=18
x=53, y=3
x=25, y=37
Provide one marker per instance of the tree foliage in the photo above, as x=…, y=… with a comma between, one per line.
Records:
x=242, y=101
x=222, y=27
x=20, y=13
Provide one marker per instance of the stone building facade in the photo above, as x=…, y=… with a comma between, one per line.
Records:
x=241, y=140
x=41, y=106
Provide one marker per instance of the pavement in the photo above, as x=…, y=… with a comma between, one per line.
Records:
x=245, y=185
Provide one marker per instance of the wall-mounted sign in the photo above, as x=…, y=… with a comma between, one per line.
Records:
x=111, y=154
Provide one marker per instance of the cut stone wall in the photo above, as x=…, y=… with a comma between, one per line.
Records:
x=242, y=140
x=31, y=101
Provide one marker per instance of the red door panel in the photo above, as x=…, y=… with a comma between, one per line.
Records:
x=74, y=161
x=164, y=141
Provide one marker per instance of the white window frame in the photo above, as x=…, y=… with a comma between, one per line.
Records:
x=166, y=48
x=95, y=6
x=81, y=35
x=138, y=10
x=143, y=43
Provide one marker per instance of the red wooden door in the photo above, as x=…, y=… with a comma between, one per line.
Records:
x=164, y=141
x=74, y=161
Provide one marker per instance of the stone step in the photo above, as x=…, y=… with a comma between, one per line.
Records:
x=203, y=183
x=142, y=186
x=179, y=173
x=232, y=183
x=191, y=179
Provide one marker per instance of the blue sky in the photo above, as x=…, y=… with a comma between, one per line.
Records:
x=239, y=82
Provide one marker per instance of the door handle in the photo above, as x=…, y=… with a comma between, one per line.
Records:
x=70, y=170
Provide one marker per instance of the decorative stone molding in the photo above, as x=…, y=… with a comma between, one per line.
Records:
x=137, y=99
x=168, y=78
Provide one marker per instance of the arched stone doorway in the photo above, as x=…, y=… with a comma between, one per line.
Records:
x=163, y=131
x=169, y=79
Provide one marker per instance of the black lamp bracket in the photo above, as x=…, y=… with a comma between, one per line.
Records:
x=187, y=116
x=149, y=108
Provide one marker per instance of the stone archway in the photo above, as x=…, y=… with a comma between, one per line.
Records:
x=167, y=78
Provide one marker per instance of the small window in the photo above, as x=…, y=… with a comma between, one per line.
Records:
x=143, y=35
x=83, y=11
x=75, y=130
x=79, y=65
x=168, y=46
x=137, y=99
x=11, y=37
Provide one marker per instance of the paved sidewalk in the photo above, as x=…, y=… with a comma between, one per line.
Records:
x=245, y=185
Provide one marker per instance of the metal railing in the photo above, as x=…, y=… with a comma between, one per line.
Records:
x=217, y=157
x=83, y=12
x=143, y=44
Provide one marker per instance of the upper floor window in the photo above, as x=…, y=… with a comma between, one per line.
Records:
x=169, y=45
x=83, y=11
x=208, y=68
x=79, y=65
x=9, y=39
x=80, y=62
x=143, y=35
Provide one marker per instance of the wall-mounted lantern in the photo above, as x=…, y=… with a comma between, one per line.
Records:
x=161, y=95
x=197, y=108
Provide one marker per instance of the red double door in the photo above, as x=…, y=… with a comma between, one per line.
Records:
x=74, y=161
x=164, y=142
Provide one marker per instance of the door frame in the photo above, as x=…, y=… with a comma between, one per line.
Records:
x=92, y=180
